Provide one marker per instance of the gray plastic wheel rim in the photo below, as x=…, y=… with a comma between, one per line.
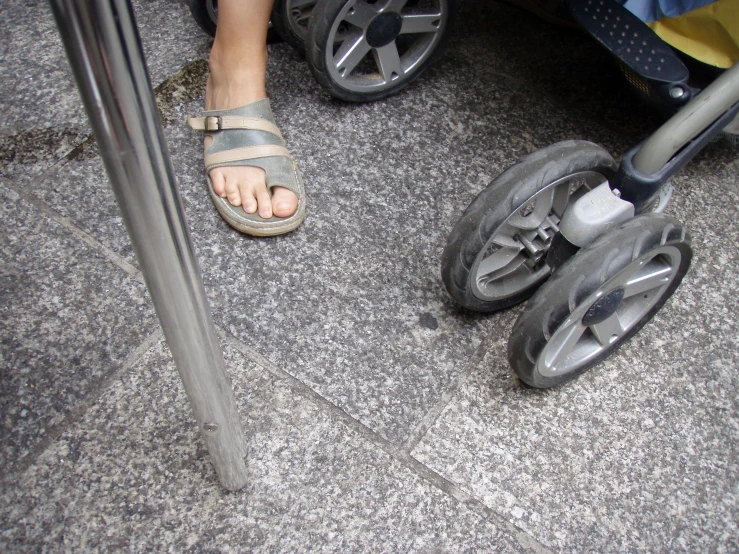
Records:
x=391, y=67
x=505, y=266
x=645, y=280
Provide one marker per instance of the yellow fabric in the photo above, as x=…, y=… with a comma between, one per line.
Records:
x=709, y=34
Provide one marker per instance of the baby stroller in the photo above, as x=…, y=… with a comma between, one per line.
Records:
x=581, y=236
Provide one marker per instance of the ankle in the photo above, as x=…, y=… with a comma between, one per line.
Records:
x=243, y=57
x=232, y=90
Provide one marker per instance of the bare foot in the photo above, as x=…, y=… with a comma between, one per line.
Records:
x=244, y=186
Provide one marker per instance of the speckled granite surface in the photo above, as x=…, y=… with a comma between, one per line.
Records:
x=380, y=418
x=316, y=484
x=42, y=116
x=70, y=318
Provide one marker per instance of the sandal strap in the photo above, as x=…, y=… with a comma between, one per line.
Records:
x=245, y=153
x=221, y=123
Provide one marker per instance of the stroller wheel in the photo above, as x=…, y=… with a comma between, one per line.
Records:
x=364, y=50
x=496, y=255
x=599, y=299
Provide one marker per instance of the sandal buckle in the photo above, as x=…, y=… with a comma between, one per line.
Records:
x=213, y=123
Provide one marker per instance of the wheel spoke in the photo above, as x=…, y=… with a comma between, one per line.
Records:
x=561, y=198
x=542, y=205
x=395, y=5
x=421, y=23
x=608, y=331
x=352, y=51
x=360, y=14
x=566, y=341
x=499, y=260
x=388, y=60
x=644, y=282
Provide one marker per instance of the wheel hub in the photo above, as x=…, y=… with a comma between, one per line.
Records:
x=384, y=29
x=604, y=307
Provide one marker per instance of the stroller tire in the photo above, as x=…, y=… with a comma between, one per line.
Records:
x=205, y=14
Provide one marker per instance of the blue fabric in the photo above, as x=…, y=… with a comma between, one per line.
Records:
x=654, y=10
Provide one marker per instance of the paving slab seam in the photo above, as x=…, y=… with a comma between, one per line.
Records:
x=397, y=452
x=70, y=226
x=78, y=412
x=418, y=433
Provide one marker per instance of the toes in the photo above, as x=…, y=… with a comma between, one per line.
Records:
x=254, y=193
x=248, y=200
x=219, y=182
x=246, y=187
x=284, y=202
x=233, y=191
x=216, y=175
x=265, y=202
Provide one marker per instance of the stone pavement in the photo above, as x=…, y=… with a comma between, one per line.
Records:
x=380, y=417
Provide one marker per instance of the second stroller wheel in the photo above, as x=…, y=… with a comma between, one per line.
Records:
x=599, y=299
x=364, y=50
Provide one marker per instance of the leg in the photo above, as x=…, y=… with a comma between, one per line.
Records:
x=238, y=66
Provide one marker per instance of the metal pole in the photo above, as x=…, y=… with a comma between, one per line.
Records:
x=105, y=53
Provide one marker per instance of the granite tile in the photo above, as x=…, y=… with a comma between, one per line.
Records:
x=36, y=85
x=355, y=291
x=70, y=319
x=133, y=475
x=76, y=191
x=43, y=117
x=80, y=191
x=639, y=454
x=170, y=37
